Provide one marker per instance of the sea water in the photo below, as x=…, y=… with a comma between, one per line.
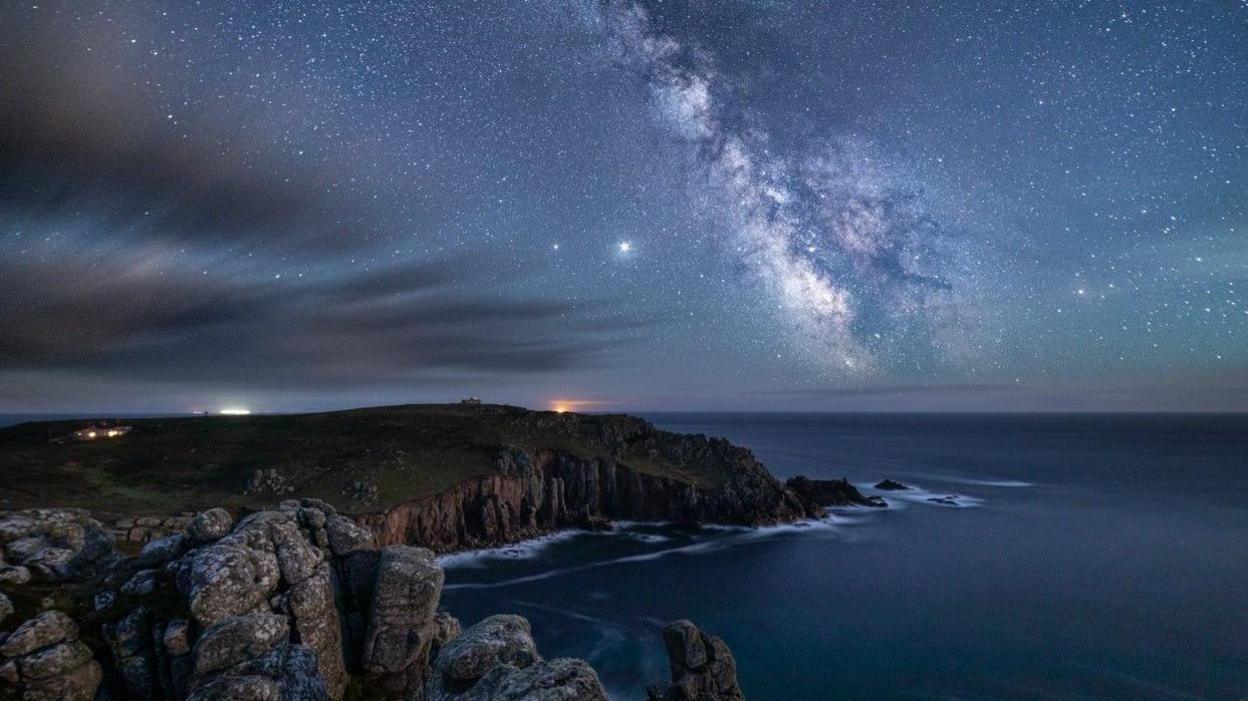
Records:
x=1088, y=557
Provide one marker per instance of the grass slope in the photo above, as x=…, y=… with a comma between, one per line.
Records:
x=168, y=465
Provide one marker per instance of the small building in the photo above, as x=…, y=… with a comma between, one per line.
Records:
x=471, y=401
x=96, y=433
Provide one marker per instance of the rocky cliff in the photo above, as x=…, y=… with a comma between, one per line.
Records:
x=293, y=604
x=533, y=494
x=444, y=477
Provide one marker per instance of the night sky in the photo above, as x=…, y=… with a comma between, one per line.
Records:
x=727, y=204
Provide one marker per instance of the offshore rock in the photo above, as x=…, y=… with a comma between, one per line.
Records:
x=817, y=493
x=703, y=668
x=891, y=486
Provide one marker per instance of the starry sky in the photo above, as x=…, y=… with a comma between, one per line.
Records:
x=724, y=204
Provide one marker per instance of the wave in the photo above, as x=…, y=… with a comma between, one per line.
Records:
x=986, y=482
x=524, y=550
x=739, y=535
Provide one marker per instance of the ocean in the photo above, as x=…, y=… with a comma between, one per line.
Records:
x=1091, y=557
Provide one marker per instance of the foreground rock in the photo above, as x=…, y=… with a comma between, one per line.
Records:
x=497, y=659
x=293, y=604
x=703, y=668
x=818, y=493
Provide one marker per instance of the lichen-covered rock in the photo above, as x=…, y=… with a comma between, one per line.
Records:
x=286, y=673
x=47, y=628
x=79, y=684
x=405, y=597
x=43, y=659
x=228, y=578
x=237, y=640
x=501, y=639
x=210, y=525
x=497, y=659
x=56, y=660
x=703, y=669
x=549, y=680
x=345, y=537
x=53, y=545
x=319, y=627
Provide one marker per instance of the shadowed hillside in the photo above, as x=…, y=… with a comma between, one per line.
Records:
x=367, y=460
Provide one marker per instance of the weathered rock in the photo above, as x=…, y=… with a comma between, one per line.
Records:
x=14, y=575
x=237, y=640
x=550, y=680
x=497, y=659
x=286, y=673
x=55, y=545
x=703, y=669
x=47, y=628
x=320, y=629
x=405, y=597
x=79, y=684
x=685, y=649
x=228, y=578
x=59, y=659
x=497, y=640
x=6, y=607
x=345, y=537
x=210, y=525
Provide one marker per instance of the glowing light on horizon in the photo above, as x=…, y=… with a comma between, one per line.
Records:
x=234, y=411
x=563, y=406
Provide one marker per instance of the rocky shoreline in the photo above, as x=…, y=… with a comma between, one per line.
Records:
x=293, y=604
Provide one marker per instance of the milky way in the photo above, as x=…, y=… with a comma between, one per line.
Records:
x=826, y=231
x=730, y=204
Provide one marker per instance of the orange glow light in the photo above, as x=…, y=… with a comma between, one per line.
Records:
x=562, y=406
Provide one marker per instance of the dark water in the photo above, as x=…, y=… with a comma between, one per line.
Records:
x=1107, y=558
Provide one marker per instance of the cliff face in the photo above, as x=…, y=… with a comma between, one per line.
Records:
x=532, y=495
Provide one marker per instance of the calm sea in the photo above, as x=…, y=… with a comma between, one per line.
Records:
x=1097, y=557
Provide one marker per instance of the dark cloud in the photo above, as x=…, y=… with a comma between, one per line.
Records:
x=146, y=243
x=125, y=319
x=86, y=139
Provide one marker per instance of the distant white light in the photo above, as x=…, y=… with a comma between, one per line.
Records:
x=626, y=246
x=234, y=411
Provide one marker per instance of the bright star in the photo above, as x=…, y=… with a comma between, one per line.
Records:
x=626, y=246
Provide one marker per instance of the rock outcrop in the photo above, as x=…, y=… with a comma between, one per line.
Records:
x=703, y=668
x=293, y=604
x=818, y=493
x=497, y=659
x=44, y=659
